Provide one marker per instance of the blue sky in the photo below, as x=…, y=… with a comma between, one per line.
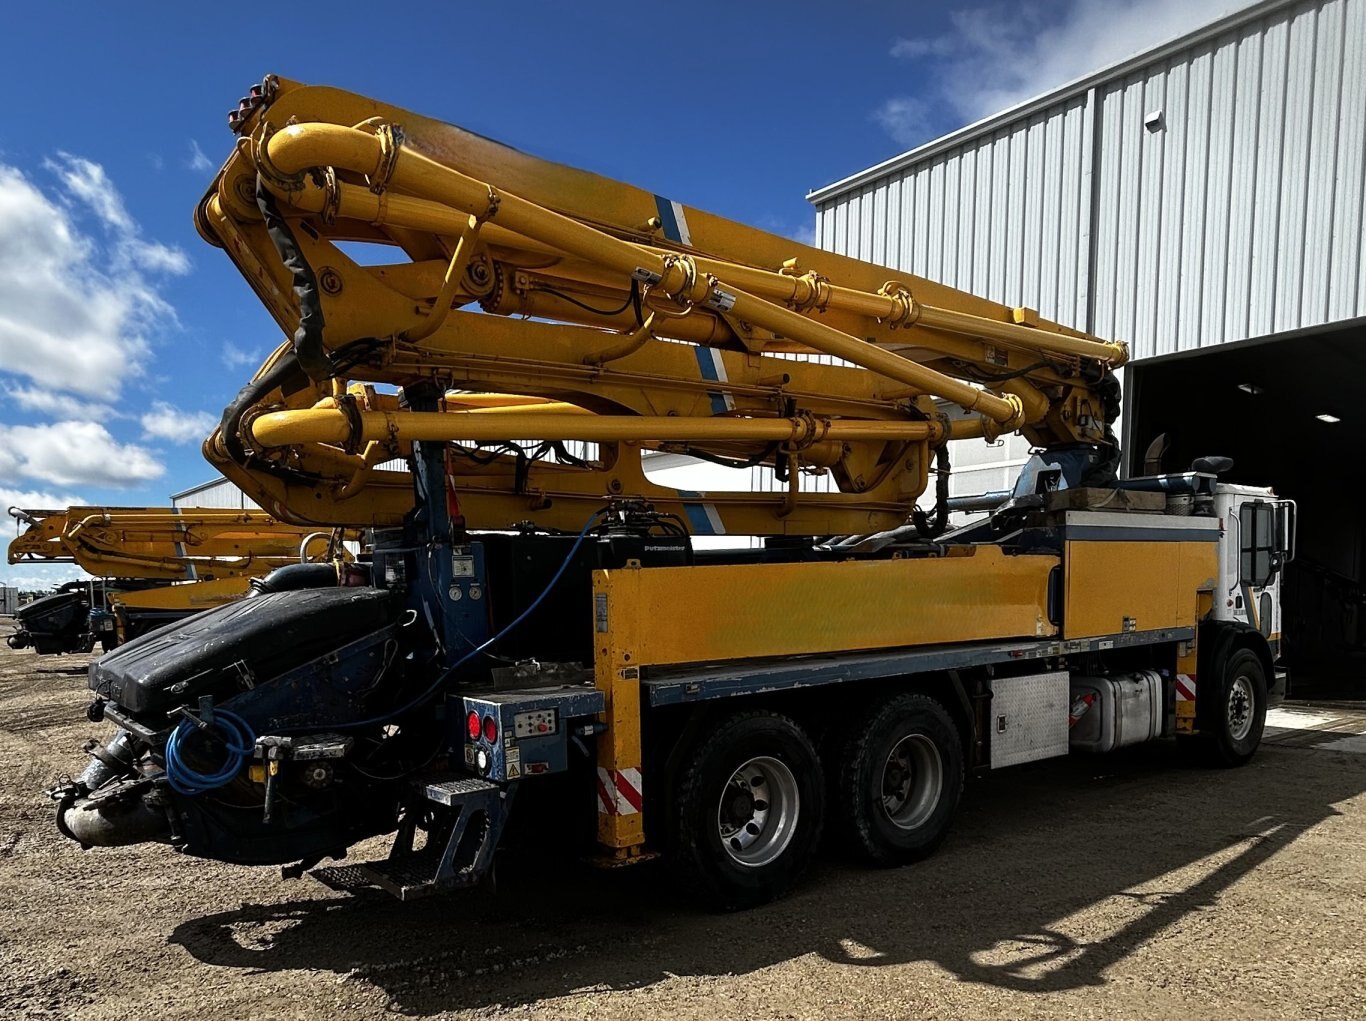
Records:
x=122, y=335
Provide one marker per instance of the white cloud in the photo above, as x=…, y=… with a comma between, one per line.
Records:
x=921, y=46
x=72, y=453
x=1001, y=54
x=235, y=357
x=30, y=576
x=58, y=405
x=88, y=182
x=156, y=257
x=803, y=232
x=198, y=161
x=167, y=422
x=35, y=499
x=907, y=119
x=77, y=315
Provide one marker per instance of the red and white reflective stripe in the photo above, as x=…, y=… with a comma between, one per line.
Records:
x=619, y=791
x=1185, y=688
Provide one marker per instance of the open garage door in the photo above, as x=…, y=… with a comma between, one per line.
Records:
x=1291, y=412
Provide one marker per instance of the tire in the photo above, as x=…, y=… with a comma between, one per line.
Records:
x=899, y=780
x=736, y=847
x=1231, y=726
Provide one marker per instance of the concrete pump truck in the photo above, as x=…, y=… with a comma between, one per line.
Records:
x=532, y=630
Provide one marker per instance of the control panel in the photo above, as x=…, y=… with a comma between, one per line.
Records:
x=508, y=735
x=536, y=723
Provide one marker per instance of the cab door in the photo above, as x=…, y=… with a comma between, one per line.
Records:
x=1265, y=542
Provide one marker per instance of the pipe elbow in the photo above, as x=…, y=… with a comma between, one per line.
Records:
x=298, y=147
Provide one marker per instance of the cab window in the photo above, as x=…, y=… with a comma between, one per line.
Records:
x=1257, y=527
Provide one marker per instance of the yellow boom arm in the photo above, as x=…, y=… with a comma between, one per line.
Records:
x=551, y=305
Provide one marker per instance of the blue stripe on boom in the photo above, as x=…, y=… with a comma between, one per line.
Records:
x=667, y=219
x=706, y=364
x=697, y=517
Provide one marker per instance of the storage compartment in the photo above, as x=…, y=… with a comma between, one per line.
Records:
x=1124, y=709
x=1029, y=718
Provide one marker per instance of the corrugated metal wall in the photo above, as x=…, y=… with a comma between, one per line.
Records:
x=1238, y=214
x=218, y=495
x=1001, y=216
x=1212, y=196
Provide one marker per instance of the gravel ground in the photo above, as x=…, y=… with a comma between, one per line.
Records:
x=1124, y=886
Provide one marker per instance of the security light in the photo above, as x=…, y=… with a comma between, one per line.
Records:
x=1330, y=419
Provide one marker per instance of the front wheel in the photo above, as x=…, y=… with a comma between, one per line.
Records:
x=1231, y=725
x=748, y=809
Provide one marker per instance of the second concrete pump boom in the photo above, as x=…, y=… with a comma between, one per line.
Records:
x=167, y=563
x=613, y=316
x=159, y=543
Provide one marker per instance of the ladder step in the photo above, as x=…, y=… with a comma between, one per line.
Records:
x=407, y=878
x=472, y=808
x=345, y=878
x=448, y=792
x=412, y=876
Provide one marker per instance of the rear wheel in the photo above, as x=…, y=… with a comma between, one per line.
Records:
x=899, y=779
x=748, y=809
x=1231, y=725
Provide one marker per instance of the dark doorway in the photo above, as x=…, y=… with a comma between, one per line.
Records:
x=1289, y=412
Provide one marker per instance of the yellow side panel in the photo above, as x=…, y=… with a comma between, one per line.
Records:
x=1153, y=584
x=701, y=614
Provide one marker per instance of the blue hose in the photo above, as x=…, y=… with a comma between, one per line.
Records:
x=237, y=738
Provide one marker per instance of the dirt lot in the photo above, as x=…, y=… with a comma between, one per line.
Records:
x=1128, y=886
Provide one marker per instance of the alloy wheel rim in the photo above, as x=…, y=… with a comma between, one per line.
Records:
x=912, y=781
x=1242, y=702
x=757, y=813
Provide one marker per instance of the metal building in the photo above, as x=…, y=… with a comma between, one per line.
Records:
x=1203, y=201
x=218, y=494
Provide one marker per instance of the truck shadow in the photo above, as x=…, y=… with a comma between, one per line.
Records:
x=1155, y=840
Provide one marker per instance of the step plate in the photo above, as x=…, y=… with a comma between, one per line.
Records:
x=448, y=792
x=406, y=879
x=345, y=878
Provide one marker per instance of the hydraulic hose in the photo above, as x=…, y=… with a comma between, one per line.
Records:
x=238, y=740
